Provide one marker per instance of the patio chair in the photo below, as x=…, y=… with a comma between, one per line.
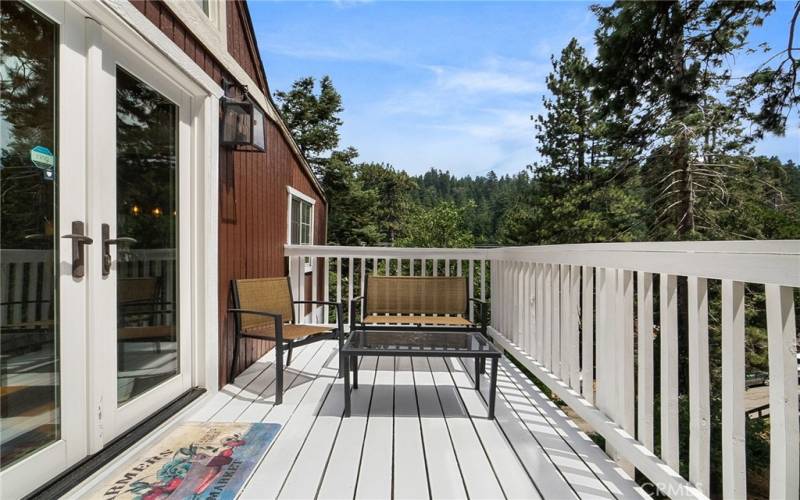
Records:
x=263, y=309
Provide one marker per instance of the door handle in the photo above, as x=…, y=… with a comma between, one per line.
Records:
x=78, y=241
x=107, y=242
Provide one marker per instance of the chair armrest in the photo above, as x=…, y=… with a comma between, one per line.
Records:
x=277, y=317
x=353, y=305
x=319, y=302
x=483, y=309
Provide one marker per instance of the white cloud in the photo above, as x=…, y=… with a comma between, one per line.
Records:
x=498, y=75
x=352, y=51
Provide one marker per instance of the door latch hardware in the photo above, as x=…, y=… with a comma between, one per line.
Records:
x=107, y=242
x=78, y=241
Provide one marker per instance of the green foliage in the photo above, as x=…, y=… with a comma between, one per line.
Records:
x=441, y=226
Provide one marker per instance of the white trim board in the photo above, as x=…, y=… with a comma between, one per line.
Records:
x=299, y=194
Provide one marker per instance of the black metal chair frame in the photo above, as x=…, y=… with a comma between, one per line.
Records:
x=282, y=345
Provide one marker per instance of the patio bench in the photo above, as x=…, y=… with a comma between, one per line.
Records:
x=416, y=302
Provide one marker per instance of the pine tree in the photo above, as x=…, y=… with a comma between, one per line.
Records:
x=661, y=67
x=313, y=118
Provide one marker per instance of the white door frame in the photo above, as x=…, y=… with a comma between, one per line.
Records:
x=79, y=407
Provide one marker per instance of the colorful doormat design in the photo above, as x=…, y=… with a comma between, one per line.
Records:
x=197, y=460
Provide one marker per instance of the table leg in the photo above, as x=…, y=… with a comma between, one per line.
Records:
x=347, y=386
x=354, y=364
x=493, y=389
x=477, y=374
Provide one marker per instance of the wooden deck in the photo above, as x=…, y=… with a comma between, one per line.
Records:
x=418, y=430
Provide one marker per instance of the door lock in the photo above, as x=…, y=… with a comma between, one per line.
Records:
x=78, y=241
x=107, y=242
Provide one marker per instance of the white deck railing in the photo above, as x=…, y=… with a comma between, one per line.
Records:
x=581, y=319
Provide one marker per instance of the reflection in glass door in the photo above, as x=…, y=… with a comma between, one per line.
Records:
x=29, y=333
x=147, y=235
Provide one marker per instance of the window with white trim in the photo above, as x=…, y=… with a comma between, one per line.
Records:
x=301, y=221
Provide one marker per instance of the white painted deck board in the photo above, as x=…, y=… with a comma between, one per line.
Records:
x=418, y=429
x=477, y=471
x=341, y=474
x=375, y=475
x=510, y=472
x=410, y=462
x=444, y=473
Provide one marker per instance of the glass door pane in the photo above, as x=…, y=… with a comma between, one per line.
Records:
x=29, y=333
x=147, y=288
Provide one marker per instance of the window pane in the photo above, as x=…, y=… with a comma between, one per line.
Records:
x=295, y=220
x=29, y=365
x=147, y=201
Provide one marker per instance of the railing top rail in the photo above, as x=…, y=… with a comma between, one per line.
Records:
x=384, y=252
x=770, y=261
x=773, y=262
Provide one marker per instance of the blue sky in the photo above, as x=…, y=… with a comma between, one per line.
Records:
x=449, y=85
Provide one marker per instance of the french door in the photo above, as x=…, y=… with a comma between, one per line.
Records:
x=138, y=171
x=94, y=245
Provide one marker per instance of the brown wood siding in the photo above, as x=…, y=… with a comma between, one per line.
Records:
x=252, y=185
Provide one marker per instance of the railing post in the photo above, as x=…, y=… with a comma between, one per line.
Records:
x=668, y=302
x=646, y=362
x=783, y=411
x=587, y=334
x=624, y=358
x=565, y=330
x=734, y=472
x=699, y=394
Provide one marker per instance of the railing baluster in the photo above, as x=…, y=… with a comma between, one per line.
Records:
x=529, y=290
x=483, y=281
x=564, y=320
x=574, y=326
x=783, y=412
x=338, y=279
x=601, y=340
x=555, y=288
x=349, y=288
x=645, y=351
x=548, y=316
x=361, y=288
x=326, y=290
x=734, y=472
x=699, y=395
x=587, y=332
x=669, y=370
x=314, y=291
x=300, y=314
x=624, y=359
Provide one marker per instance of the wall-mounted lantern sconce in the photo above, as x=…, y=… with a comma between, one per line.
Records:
x=242, y=121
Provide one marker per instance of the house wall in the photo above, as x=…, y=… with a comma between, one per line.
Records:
x=253, y=196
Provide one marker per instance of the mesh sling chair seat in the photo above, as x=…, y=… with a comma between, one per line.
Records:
x=263, y=308
x=437, y=301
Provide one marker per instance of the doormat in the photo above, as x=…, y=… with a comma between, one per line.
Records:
x=197, y=460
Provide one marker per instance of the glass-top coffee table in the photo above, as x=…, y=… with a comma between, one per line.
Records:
x=426, y=343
